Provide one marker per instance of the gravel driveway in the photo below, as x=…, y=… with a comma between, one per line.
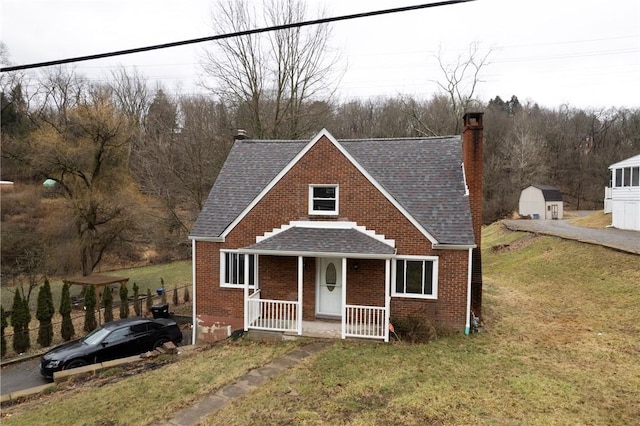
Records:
x=618, y=239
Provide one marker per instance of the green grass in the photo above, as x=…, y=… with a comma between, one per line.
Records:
x=560, y=346
x=595, y=220
x=147, y=397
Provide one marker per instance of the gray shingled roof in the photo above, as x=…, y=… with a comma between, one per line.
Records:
x=549, y=193
x=249, y=168
x=423, y=175
x=323, y=240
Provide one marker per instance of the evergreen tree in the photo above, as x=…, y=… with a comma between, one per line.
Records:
x=185, y=296
x=107, y=302
x=163, y=296
x=124, y=301
x=3, y=325
x=149, y=300
x=90, y=309
x=44, y=314
x=175, y=296
x=137, y=306
x=66, y=329
x=20, y=318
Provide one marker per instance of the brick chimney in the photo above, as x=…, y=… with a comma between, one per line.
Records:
x=472, y=136
x=241, y=134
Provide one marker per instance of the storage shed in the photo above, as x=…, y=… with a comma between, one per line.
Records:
x=541, y=202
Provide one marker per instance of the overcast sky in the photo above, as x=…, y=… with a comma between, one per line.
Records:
x=585, y=53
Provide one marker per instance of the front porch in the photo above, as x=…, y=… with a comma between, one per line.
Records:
x=369, y=322
x=316, y=271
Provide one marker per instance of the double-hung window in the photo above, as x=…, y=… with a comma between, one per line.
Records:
x=323, y=199
x=416, y=277
x=233, y=266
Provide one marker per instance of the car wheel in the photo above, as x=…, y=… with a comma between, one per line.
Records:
x=76, y=363
x=159, y=343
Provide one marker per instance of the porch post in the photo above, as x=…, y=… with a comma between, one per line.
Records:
x=246, y=292
x=300, y=282
x=343, y=308
x=387, y=297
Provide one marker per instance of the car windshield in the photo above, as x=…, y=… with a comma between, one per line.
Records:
x=95, y=336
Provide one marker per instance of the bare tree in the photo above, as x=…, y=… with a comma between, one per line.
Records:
x=525, y=151
x=131, y=93
x=461, y=79
x=187, y=141
x=270, y=79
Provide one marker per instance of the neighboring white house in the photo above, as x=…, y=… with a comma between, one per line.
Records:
x=622, y=199
x=541, y=202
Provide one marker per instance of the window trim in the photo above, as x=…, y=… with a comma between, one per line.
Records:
x=434, y=277
x=223, y=263
x=333, y=212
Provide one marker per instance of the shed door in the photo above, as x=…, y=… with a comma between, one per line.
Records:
x=329, y=299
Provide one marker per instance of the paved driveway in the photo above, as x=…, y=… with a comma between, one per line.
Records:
x=619, y=239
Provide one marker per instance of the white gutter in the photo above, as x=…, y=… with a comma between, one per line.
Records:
x=467, y=326
x=316, y=254
x=454, y=246
x=211, y=239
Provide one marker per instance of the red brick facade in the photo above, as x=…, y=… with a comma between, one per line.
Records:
x=360, y=202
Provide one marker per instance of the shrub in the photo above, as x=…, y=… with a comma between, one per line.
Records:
x=44, y=314
x=175, y=296
x=149, y=300
x=137, y=305
x=66, y=330
x=90, y=309
x=124, y=301
x=415, y=328
x=163, y=296
x=185, y=296
x=107, y=303
x=20, y=318
x=3, y=325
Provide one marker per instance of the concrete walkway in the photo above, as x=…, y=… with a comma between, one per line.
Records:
x=245, y=384
x=618, y=239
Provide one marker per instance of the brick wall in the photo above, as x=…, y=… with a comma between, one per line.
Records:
x=360, y=202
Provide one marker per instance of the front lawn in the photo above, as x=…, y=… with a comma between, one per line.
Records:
x=561, y=344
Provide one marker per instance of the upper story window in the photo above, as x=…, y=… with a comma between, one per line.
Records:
x=323, y=199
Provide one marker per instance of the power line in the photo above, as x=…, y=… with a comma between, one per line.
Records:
x=235, y=34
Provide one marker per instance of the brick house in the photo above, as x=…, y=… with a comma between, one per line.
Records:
x=358, y=232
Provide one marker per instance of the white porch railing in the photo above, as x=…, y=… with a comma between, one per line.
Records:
x=273, y=315
x=365, y=321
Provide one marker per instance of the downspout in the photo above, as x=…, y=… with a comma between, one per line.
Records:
x=300, y=286
x=387, y=298
x=193, y=292
x=467, y=326
x=343, y=308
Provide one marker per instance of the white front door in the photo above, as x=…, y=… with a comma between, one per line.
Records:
x=329, y=299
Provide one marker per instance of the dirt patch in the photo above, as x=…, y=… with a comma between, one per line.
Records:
x=523, y=242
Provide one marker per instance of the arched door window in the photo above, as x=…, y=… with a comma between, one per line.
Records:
x=331, y=276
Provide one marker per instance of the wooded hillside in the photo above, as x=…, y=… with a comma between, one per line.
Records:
x=132, y=166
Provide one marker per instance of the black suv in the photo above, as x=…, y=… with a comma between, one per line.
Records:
x=115, y=339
